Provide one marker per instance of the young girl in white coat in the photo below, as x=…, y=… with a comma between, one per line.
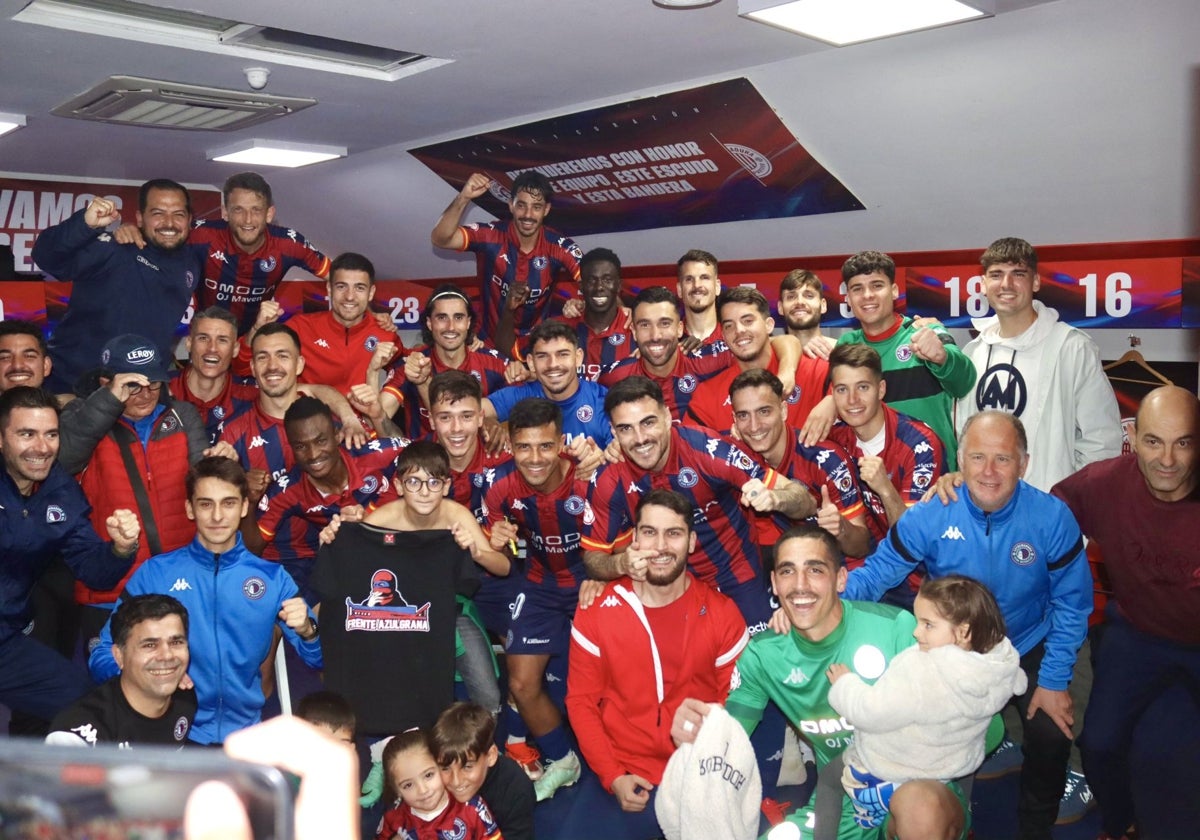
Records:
x=927, y=715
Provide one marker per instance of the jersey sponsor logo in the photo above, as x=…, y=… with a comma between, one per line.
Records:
x=825, y=726
x=616, y=339
x=611, y=601
x=952, y=533
x=1022, y=553
x=555, y=543
x=55, y=514
x=320, y=342
x=254, y=588
x=1002, y=386
x=528, y=640
x=688, y=477
x=796, y=677
x=574, y=505
x=267, y=264
x=180, y=585
x=242, y=294
x=686, y=383
x=370, y=344
x=869, y=662
x=585, y=413
x=904, y=352
x=385, y=610
x=181, y=729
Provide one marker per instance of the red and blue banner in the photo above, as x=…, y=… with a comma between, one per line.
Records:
x=717, y=153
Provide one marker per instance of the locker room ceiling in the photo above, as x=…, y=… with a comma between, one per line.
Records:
x=1063, y=121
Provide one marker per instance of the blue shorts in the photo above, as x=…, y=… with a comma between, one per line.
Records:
x=495, y=600
x=541, y=620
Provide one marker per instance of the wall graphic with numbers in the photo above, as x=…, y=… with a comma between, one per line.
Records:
x=1096, y=294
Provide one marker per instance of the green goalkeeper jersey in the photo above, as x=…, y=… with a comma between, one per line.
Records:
x=791, y=671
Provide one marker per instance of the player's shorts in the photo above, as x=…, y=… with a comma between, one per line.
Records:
x=848, y=829
x=541, y=620
x=754, y=601
x=495, y=600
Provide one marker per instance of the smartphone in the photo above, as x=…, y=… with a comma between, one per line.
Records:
x=63, y=792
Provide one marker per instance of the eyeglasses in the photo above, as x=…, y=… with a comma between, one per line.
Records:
x=413, y=484
x=137, y=389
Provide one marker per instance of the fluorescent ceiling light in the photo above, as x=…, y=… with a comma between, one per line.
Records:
x=10, y=122
x=275, y=153
x=149, y=24
x=842, y=22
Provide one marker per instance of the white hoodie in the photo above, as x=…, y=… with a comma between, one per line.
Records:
x=927, y=716
x=1057, y=387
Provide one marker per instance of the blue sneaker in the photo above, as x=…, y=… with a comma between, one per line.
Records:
x=1006, y=758
x=1076, y=800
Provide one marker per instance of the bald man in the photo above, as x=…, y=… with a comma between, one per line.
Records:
x=1144, y=512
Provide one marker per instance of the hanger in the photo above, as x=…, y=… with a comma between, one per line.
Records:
x=1135, y=358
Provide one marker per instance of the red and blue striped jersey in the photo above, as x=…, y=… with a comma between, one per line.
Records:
x=240, y=282
x=486, y=365
x=292, y=514
x=261, y=444
x=709, y=472
x=235, y=399
x=913, y=455
x=823, y=465
x=550, y=523
x=469, y=486
x=602, y=350
x=500, y=263
x=690, y=370
x=711, y=406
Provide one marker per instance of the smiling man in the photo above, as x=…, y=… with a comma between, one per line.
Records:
x=637, y=652
x=448, y=331
x=1044, y=371
x=119, y=288
x=602, y=328
x=206, y=382
x=338, y=345
x=234, y=600
x=24, y=359
x=1025, y=546
x=144, y=705
x=1144, y=512
x=519, y=261
x=44, y=514
x=789, y=670
x=555, y=357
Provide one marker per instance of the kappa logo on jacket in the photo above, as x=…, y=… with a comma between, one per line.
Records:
x=952, y=533
x=611, y=601
x=180, y=585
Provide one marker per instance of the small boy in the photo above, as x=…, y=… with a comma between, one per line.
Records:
x=471, y=765
x=331, y=712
